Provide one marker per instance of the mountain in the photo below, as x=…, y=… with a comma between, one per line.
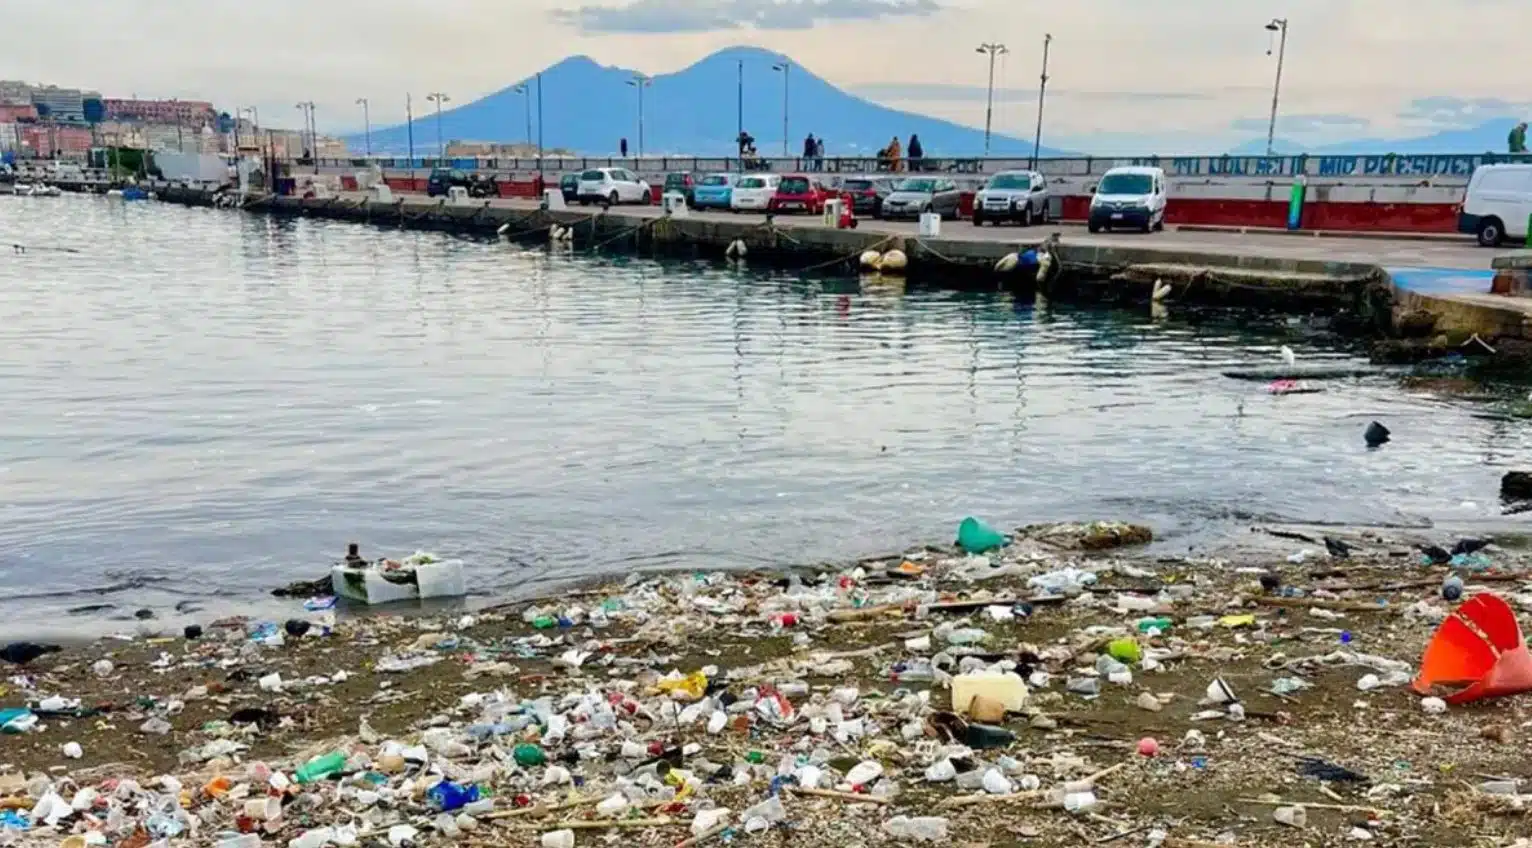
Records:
x=1489, y=136
x=694, y=111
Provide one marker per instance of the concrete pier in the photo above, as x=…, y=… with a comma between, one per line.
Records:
x=1270, y=270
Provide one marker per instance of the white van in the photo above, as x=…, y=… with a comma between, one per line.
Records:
x=754, y=191
x=1128, y=197
x=1497, y=203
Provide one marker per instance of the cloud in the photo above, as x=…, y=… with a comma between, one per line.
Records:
x=1302, y=123
x=677, y=16
x=932, y=91
x=1446, y=111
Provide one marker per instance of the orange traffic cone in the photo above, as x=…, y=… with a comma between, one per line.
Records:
x=1479, y=648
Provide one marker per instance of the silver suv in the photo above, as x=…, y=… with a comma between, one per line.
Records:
x=1018, y=196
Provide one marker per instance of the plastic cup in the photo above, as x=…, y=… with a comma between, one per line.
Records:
x=263, y=809
x=559, y=839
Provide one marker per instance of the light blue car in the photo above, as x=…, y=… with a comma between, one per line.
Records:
x=715, y=191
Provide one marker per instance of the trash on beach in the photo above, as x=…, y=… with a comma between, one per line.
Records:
x=419, y=576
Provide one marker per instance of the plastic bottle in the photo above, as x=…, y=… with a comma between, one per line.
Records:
x=976, y=537
x=448, y=796
x=919, y=828
x=527, y=754
x=320, y=768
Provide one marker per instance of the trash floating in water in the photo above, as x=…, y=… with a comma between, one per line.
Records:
x=419, y=576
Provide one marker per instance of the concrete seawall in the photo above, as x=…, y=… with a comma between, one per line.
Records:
x=962, y=257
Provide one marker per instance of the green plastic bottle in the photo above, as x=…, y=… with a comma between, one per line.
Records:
x=544, y=622
x=976, y=537
x=755, y=757
x=320, y=768
x=527, y=754
x=1161, y=624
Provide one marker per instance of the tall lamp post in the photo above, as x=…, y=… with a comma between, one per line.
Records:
x=307, y=107
x=739, y=89
x=786, y=68
x=641, y=82
x=526, y=97
x=439, y=98
x=366, y=125
x=1042, y=92
x=540, y=182
x=993, y=49
x=1276, y=25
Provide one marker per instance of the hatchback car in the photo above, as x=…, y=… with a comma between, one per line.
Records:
x=569, y=186
x=915, y=196
x=1017, y=196
x=753, y=193
x=799, y=193
x=682, y=182
x=613, y=186
x=442, y=179
x=866, y=194
x=714, y=191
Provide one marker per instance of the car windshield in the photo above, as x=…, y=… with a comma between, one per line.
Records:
x=1126, y=184
x=925, y=186
x=1010, y=181
x=794, y=185
x=752, y=182
x=593, y=176
x=569, y=179
x=858, y=185
x=715, y=180
x=675, y=179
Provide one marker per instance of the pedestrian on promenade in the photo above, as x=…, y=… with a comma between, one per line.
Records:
x=917, y=153
x=819, y=154
x=894, y=152
x=1517, y=140
x=623, y=146
x=809, y=146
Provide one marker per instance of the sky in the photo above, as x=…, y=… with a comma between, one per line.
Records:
x=1173, y=76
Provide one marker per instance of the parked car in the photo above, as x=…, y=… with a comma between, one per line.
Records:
x=1017, y=196
x=753, y=192
x=682, y=182
x=442, y=179
x=569, y=185
x=866, y=194
x=1128, y=197
x=1496, y=204
x=916, y=195
x=613, y=186
x=800, y=193
x=714, y=191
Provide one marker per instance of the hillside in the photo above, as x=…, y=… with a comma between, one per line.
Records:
x=588, y=107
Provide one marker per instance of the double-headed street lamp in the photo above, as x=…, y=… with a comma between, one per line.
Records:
x=439, y=98
x=641, y=82
x=526, y=96
x=366, y=125
x=993, y=49
x=786, y=68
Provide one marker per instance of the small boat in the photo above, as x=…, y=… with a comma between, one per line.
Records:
x=134, y=193
x=37, y=190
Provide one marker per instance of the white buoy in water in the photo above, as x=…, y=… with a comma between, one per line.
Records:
x=1161, y=290
x=1044, y=264
x=894, y=261
x=555, y=233
x=871, y=259
x=1288, y=357
x=1007, y=263
x=566, y=234
x=736, y=249
x=504, y=228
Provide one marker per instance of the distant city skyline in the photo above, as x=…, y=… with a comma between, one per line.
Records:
x=1200, y=77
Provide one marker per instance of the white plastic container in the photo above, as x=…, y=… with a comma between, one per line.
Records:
x=380, y=193
x=674, y=204
x=368, y=586
x=553, y=198
x=930, y=224
x=457, y=196
x=1007, y=688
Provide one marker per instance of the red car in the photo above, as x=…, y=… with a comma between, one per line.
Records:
x=800, y=193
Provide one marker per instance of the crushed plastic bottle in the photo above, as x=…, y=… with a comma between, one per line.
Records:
x=918, y=828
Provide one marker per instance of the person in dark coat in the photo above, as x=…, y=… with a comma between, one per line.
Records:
x=623, y=146
x=915, y=152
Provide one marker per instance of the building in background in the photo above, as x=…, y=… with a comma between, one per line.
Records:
x=10, y=113
x=187, y=112
x=65, y=104
x=53, y=141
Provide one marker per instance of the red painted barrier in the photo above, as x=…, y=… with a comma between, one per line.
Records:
x=965, y=204
x=1382, y=217
x=347, y=182
x=399, y=184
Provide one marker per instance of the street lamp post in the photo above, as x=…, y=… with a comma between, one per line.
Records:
x=993, y=49
x=739, y=89
x=439, y=98
x=526, y=96
x=1042, y=92
x=1276, y=25
x=786, y=68
x=409, y=129
x=366, y=125
x=540, y=128
x=640, y=82
x=307, y=107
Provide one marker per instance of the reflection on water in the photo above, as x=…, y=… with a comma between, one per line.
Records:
x=204, y=405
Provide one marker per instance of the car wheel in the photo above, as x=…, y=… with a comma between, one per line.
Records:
x=978, y=220
x=1148, y=226
x=613, y=199
x=1093, y=227
x=1490, y=232
x=1159, y=226
x=1026, y=215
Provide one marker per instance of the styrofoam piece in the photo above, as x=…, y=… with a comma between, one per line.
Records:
x=930, y=224
x=368, y=586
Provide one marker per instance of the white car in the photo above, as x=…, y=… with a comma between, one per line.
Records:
x=612, y=186
x=1497, y=203
x=1128, y=197
x=754, y=192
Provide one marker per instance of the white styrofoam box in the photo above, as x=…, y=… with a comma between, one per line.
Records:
x=833, y=209
x=457, y=196
x=381, y=193
x=368, y=586
x=674, y=204
x=553, y=198
x=930, y=224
